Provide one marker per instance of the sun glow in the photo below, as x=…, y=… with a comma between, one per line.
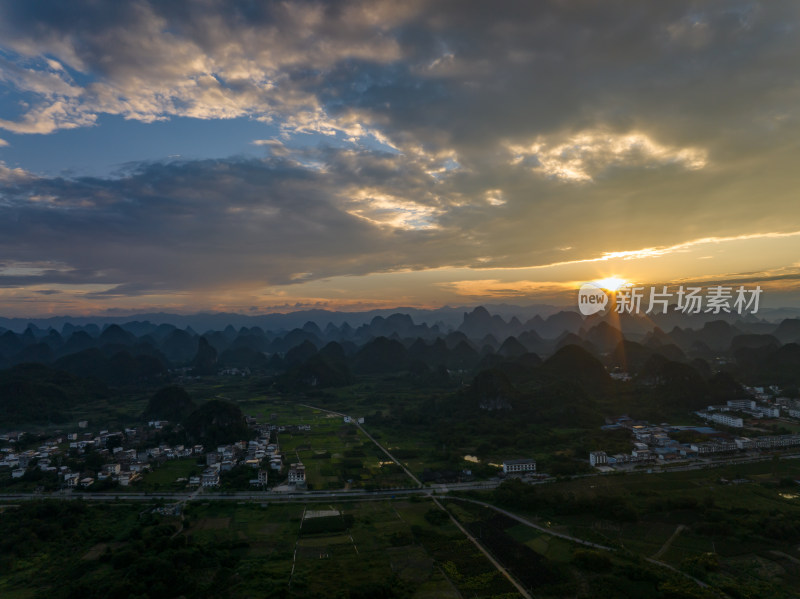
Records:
x=611, y=283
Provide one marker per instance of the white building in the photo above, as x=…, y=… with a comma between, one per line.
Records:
x=773, y=441
x=210, y=477
x=261, y=480
x=725, y=419
x=297, y=474
x=111, y=469
x=701, y=448
x=515, y=466
x=598, y=458
x=125, y=478
x=741, y=404
x=768, y=411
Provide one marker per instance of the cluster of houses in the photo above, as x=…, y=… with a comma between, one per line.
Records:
x=254, y=454
x=260, y=454
x=745, y=443
x=653, y=444
x=234, y=372
x=42, y=457
x=124, y=464
x=788, y=407
x=732, y=414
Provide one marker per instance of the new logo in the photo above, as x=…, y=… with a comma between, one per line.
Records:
x=591, y=299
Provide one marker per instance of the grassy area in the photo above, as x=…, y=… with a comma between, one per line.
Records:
x=404, y=548
x=408, y=419
x=164, y=477
x=336, y=455
x=390, y=548
x=742, y=535
x=734, y=536
x=414, y=446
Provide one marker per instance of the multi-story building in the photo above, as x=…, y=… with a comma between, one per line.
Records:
x=598, y=458
x=519, y=466
x=297, y=474
x=210, y=477
x=768, y=411
x=741, y=404
x=721, y=418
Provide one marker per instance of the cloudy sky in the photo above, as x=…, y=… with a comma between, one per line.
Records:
x=262, y=156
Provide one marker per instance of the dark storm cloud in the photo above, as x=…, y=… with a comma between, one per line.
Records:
x=510, y=134
x=202, y=224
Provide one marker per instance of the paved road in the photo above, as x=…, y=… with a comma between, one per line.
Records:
x=244, y=496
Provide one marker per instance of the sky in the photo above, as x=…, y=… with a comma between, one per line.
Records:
x=256, y=157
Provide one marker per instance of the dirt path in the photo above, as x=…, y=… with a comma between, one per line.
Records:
x=527, y=522
x=494, y=562
x=371, y=438
x=668, y=542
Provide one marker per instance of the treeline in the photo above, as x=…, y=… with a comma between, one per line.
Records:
x=707, y=518
x=518, y=495
x=216, y=422
x=37, y=393
x=139, y=555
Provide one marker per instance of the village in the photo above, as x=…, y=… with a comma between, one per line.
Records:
x=106, y=460
x=658, y=445
x=103, y=460
x=116, y=460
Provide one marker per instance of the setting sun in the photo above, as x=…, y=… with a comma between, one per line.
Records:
x=611, y=283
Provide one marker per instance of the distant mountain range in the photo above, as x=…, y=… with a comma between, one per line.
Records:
x=138, y=350
x=681, y=361
x=446, y=317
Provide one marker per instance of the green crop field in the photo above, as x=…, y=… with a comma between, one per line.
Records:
x=164, y=477
x=229, y=549
x=730, y=535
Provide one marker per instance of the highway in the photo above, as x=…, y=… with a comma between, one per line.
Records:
x=434, y=492
x=263, y=496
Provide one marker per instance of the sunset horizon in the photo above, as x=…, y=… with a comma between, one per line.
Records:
x=369, y=155
x=380, y=299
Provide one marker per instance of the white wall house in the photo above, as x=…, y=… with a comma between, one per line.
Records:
x=598, y=458
x=517, y=466
x=297, y=474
